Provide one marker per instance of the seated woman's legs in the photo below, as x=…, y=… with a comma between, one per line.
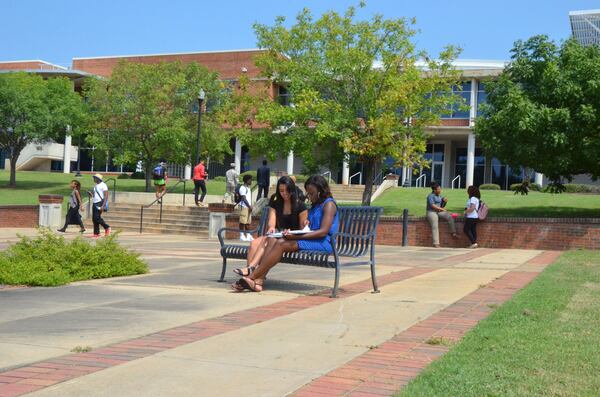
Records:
x=273, y=253
x=256, y=251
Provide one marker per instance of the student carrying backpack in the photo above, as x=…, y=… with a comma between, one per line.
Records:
x=158, y=172
x=482, y=211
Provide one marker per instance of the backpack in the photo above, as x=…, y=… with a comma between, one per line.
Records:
x=158, y=172
x=237, y=197
x=483, y=210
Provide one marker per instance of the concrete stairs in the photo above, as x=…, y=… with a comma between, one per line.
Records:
x=175, y=219
x=349, y=193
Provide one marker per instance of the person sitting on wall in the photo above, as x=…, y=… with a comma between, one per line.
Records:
x=435, y=210
x=286, y=212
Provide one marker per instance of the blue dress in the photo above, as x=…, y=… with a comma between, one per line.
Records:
x=315, y=216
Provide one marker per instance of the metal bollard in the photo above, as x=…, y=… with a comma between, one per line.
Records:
x=405, y=227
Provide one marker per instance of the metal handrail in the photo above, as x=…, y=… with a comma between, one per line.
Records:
x=457, y=177
x=359, y=178
x=160, y=201
x=328, y=173
x=378, y=177
x=421, y=177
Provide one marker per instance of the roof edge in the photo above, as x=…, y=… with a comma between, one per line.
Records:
x=36, y=60
x=171, y=53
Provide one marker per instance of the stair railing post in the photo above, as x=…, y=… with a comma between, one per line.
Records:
x=161, y=202
x=405, y=227
x=184, y=192
x=141, y=217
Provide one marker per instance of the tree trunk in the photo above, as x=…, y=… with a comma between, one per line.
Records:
x=13, y=170
x=148, y=168
x=369, y=169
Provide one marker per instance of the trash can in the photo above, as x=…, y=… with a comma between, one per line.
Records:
x=50, y=210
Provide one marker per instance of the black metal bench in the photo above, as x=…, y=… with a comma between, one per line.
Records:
x=355, y=238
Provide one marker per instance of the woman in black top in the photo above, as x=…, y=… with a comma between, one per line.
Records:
x=286, y=212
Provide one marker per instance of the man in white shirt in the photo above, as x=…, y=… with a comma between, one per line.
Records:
x=100, y=200
x=246, y=208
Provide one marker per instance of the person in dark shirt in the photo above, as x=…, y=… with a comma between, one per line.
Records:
x=263, y=180
x=286, y=212
x=436, y=210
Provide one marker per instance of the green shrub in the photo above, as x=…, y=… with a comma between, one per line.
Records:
x=138, y=175
x=489, y=186
x=252, y=173
x=50, y=260
x=535, y=187
x=219, y=179
x=581, y=188
x=123, y=176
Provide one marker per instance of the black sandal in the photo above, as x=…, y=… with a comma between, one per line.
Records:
x=252, y=285
x=242, y=272
x=240, y=285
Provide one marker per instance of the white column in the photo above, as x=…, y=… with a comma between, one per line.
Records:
x=473, y=107
x=539, y=179
x=67, y=152
x=238, y=155
x=345, y=170
x=445, y=182
x=470, y=160
x=187, y=173
x=290, y=163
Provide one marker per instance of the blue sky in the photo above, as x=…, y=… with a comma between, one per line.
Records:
x=59, y=30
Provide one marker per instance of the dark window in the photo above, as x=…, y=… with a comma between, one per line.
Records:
x=283, y=96
x=460, y=110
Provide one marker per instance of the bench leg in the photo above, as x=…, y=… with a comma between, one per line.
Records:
x=337, y=282
x=373, y=276
x=222, y=279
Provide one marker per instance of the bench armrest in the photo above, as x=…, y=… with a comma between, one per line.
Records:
x=223, y=230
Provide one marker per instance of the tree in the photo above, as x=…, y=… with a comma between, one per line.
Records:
x=360, y=85
x=35, y=110
x=543, y=112
x=149, y=112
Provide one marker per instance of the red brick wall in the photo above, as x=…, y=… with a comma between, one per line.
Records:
x=19, y=215
x=26, y=65
x=521, y=233
x=455, y=122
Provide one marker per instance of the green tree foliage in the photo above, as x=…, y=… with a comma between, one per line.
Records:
x=358, y=87
x=148, y=112
x=35, y=110
x=544, y=110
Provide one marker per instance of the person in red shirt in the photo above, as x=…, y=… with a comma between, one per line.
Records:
x=199, y=182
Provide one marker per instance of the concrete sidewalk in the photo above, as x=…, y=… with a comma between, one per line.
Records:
x=209, y=341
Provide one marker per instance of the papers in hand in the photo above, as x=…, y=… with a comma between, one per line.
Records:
x=280, y=234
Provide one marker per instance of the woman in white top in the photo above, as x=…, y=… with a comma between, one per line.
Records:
x=471, y=215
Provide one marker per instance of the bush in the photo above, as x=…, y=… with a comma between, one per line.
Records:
x=50, y=260
x=489, y=186
x=123, y=176
x=525, y=187
x=251, y=173
x=219, y=179
x=138, y=175
x=581, y=188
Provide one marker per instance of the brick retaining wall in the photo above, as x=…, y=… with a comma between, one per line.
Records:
x=522, y=233
x=19, y=215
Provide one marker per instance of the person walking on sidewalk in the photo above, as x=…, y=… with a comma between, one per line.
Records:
x=435, y=210
x=75, y=205
x=246, y=209
x=99, y=205
x=263, y=180
x=231, y=182
x=200, y=183
x=472, y=215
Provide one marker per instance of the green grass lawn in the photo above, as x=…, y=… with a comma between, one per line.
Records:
x=543, y=342
x=30, y=184
x=501, y=203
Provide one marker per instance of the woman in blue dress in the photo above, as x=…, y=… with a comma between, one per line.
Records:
x=323, y=220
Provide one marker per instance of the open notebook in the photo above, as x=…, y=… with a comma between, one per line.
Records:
x=279, y=234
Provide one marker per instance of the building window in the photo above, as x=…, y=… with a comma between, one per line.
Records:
x=481, y=97
x=461, y=166
x=283, y=96
x=460, y=110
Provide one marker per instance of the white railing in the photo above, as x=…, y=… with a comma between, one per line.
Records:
x=420, y=182
x=328, y=173
x=359, y=178
x=453, y=180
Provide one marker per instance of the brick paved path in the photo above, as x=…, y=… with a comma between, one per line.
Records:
x=379, y=363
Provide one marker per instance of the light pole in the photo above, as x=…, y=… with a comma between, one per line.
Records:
x=201, y=96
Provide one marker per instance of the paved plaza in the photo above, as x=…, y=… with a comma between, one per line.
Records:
x=176, y=331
